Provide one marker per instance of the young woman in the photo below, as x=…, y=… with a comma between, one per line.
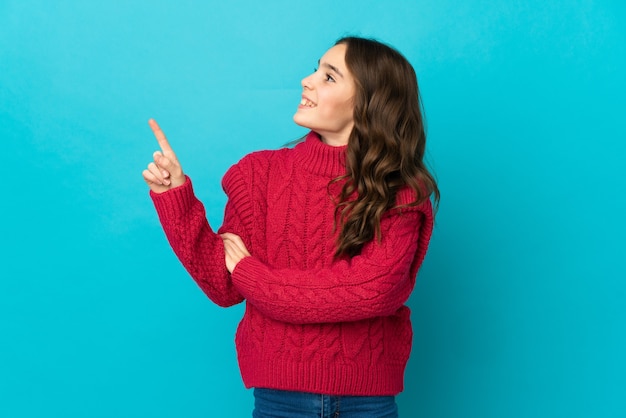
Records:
x=323, y=240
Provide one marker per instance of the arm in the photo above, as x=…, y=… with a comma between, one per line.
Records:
x=375, y=283
x=197, y=246
x=183, y=218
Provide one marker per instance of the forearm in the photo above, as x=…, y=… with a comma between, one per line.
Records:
x=375, y=283
x=194, y=242
x=320, y=296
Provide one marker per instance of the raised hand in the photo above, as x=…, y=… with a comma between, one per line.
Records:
x=165, y=172
x=234, y=250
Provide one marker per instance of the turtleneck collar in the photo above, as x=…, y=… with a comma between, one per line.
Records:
x=320, y=158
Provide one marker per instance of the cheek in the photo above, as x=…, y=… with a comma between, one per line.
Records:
x=347, y=109
x=349, y=105
x=339, y=105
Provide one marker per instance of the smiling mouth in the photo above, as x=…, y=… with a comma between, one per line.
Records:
x=307, y=103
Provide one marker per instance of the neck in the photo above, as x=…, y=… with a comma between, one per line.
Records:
x=337, y=140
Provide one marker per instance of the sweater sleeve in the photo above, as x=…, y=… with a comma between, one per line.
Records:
x=375, y=283
x=197, y=246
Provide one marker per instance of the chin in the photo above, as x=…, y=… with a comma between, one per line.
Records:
x=300, y=122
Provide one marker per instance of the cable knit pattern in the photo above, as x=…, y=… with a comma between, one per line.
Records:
x=312, y=323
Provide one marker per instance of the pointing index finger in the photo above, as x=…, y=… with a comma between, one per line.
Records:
x=161, y=139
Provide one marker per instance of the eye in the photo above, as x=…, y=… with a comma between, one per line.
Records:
x=327, y=76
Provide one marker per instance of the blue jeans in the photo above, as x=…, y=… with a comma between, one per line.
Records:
x=271, y=403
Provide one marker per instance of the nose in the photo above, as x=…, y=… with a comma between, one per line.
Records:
x=306, y=82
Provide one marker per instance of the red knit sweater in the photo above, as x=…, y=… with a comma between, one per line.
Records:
x=312, y=323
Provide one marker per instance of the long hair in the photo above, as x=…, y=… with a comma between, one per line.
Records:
x=386, y=147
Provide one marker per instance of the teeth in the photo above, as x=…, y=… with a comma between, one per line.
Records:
x=307, y=103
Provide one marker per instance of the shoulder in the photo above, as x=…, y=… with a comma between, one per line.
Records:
x=405, y=201
x=254, y=166
x=414, y=217
x=259, y=159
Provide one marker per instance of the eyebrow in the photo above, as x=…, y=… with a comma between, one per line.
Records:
x=332, y=67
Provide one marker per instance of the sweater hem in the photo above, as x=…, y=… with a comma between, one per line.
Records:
x=326, y=378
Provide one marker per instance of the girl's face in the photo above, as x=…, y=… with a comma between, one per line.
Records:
x=327, y=104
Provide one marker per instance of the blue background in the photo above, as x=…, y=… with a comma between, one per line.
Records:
x=519, y=310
